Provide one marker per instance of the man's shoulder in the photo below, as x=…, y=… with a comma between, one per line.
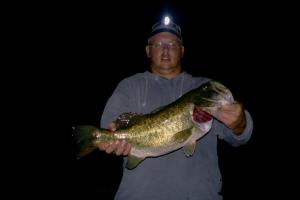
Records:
x=198, y=80
x=133, y=80
x=134, y=77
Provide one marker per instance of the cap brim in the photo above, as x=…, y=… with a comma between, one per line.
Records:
x=165, y=30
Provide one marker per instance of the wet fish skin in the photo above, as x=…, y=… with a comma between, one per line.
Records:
x=162, y=131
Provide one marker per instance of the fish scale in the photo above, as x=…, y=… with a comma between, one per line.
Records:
x=179, y=124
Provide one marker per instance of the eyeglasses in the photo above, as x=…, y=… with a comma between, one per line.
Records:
x=168, y=45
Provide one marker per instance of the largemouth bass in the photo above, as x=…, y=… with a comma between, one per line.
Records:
x=167, y=129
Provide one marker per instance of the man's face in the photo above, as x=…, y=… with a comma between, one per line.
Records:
x=165, y=51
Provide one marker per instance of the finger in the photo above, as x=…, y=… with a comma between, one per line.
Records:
x=112, y=147
x=224, y=116
x=231, y=107
x=112, y=126
x=120, y=148
x=103, y=146
x=127, y=149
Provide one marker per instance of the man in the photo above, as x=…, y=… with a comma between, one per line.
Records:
x=172, y=176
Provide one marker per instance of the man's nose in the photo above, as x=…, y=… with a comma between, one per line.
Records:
x=165, y=50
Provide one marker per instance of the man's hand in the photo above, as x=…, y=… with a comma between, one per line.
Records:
x=233, y=116
x=118, y=147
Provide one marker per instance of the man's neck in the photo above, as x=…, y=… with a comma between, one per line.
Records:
x=167, y=74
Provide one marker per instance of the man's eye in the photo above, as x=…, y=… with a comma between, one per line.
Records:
x=159, y=44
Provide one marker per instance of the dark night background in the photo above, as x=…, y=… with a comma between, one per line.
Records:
x=84, y=50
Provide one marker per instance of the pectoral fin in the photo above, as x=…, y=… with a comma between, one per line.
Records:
x=189, y=148
x=182, y=136
x=133, y=161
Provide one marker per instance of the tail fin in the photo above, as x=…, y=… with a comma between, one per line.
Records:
x=85, y=136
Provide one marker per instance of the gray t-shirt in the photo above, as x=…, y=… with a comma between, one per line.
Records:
x=172, y=176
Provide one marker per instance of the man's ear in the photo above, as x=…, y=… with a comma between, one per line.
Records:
x=182, y=51
x=147, y=51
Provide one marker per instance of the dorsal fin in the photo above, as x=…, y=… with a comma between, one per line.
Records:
x=127, y=119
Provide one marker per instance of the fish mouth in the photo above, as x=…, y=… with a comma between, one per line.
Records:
x=225, y=95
